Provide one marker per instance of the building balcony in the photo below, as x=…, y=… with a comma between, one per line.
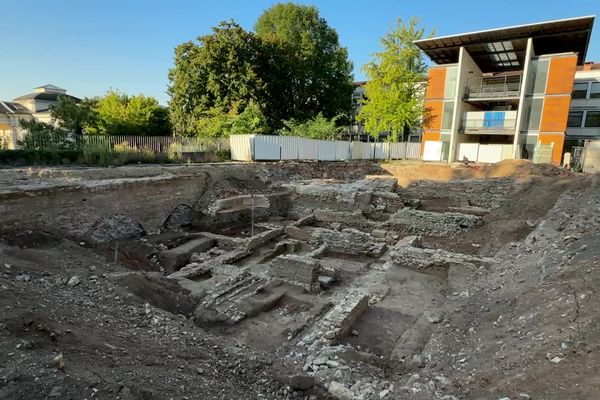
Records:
x=493, y=87
x=487, y=126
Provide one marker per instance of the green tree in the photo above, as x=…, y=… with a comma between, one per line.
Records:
x=318, y=127
x=396, y=79
x=43, y=136
x=73, y=115
x=120, y=114
x=221, y=72
x=314, y=73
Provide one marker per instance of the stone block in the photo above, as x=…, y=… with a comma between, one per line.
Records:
x=175, y=258
x=298, y=270
x=297, y=233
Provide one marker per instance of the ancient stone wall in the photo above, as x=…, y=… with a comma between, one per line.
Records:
x=70, y=207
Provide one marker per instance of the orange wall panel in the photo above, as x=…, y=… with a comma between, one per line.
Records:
x=561, y=75
x=555, y=113
x=429, y=136
x=436, y=83
x=558, y=139
x=435, y=108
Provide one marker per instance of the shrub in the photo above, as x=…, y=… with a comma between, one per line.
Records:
x=39, y=157
x=97, y=154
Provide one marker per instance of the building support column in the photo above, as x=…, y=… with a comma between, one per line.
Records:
x=520, y=114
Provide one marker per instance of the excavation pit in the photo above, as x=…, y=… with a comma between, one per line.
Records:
x=327, y=287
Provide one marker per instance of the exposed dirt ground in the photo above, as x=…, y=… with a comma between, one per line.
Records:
x=504, y=308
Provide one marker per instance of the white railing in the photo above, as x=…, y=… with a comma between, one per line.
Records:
x=493, y=87
x=275, y=148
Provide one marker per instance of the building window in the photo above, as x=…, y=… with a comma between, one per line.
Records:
x=595, y=90
x=575, y=119
x=579, y=90
x=451, y=77
x=447, y=115
x=592, y=119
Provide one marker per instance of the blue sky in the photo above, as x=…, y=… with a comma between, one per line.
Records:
x=90, y=46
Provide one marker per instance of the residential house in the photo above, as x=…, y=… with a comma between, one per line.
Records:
x=11, y=115
x=33, y=106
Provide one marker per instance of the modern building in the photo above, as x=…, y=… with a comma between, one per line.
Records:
x=584, y=115
x=503, y=93
x=33, y=106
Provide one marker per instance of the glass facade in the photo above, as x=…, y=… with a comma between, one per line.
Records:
x=575, y=119
x=579, y=90
x=595, y=90
x=451, y=80
x=533, y=113
x=592, y=119
x=539, y=76
x=447, y=115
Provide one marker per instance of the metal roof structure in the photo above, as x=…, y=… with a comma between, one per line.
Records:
x=504, y=49
x=7, y=107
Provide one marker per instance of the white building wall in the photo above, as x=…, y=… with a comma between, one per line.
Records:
x=585, y=105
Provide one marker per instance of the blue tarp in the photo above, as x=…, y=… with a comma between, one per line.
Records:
x=493, y=119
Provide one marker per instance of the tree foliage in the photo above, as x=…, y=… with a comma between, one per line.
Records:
x=216, y=78
x=313, y=64
x=293, y=67
x=120, y=114
x=73, y=115
x=41, y=135
x=396, y=78
x=112, y=114
x=218, y=123
x=318, y=127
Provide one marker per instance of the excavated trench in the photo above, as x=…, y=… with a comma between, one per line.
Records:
x=338, y=277
x=318, y=266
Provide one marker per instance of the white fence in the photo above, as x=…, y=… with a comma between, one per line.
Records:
x=272, y=148
x=485, y=153
x=158, y=144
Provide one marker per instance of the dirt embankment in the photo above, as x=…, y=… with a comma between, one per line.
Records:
x=407, y=172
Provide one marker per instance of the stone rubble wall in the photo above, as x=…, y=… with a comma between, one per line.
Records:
x=337, y=322
x=83, y=196
x=486, y=193
x=432, y=223
x=348, y=241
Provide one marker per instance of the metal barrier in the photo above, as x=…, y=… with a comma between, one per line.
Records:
x=273, y=148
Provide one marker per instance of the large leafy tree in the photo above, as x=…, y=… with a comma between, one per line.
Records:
x=221, y=73
x=314, y=74
x=396, y=78
x=293, y=67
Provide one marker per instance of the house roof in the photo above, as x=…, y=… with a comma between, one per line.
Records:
x=7, y=107
x=560, y=36
x=51, y=88
x=44, y=96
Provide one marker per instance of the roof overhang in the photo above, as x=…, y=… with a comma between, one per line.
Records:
x=551, y=37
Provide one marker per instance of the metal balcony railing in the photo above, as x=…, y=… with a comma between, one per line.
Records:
x=485, y=126
x=493, y=87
